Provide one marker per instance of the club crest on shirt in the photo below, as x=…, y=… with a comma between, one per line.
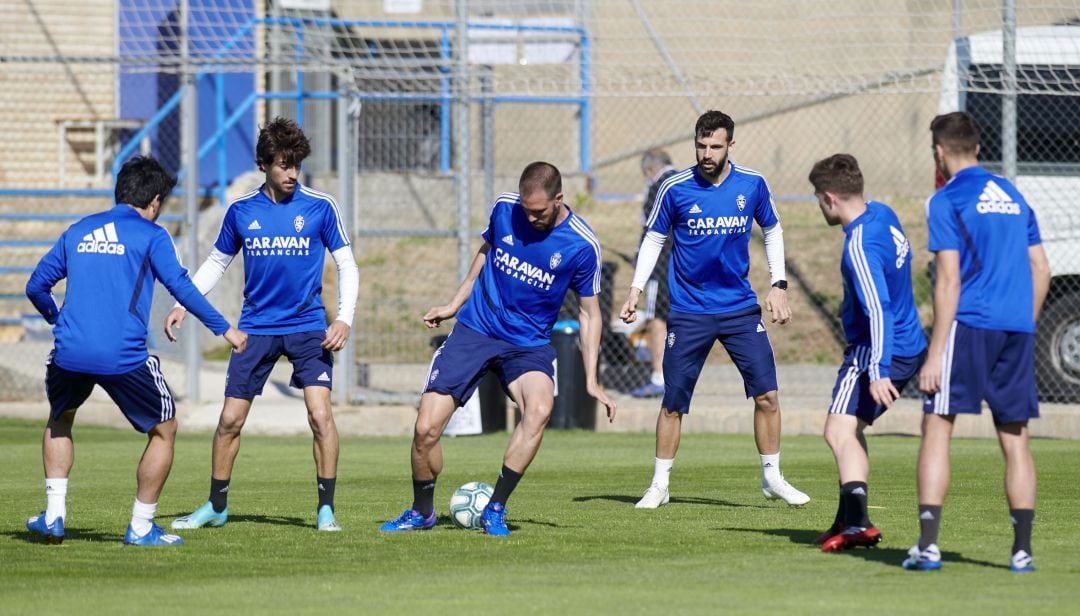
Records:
x=555, y=260
x=298, y=223
x=741, y=202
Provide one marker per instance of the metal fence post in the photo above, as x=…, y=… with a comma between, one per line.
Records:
x=189, y=148
x=462, y=135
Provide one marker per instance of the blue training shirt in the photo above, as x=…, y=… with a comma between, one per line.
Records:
x=518, y=294
x=987, y=220
x=710, y=263
x=878, y=310
x=284, y=247
x=111, y=260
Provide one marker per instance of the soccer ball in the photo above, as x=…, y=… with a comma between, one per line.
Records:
x=468, y=502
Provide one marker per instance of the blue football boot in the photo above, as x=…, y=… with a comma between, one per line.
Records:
x=1021, y=562
x=326, y=521
x=493, y=520
x=928, y=559
x=53, y=533
x=409, y=520
x=203, y=516
x=156, y=536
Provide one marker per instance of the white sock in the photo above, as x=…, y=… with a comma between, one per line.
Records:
x=657, y=378
x=142, y=517
x=662, y=472
x=770, y=467
x=56, y=499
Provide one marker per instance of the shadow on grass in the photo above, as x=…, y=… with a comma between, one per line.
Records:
x=885, y=556
x=70, y=534
x=275, y=520
x=680, y=500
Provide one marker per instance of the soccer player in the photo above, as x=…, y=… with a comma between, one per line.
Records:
x=111, y=260
x=535, y=248
x=656, y=167
x=992, y=278
x=708, y=210
x=283, y=229
x=886, y=345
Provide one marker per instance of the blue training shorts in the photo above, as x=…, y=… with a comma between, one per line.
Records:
x=985, y=364
x=461, y=362
x=691, y=337
x=312, y=364
x=851, y=394
x=142, y=394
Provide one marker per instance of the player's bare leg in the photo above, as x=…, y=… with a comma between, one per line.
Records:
x=534, y=393
x=435, y=412
x=57, y=455
x=668, y=436
x=156, y=461
x=325, y=443
x=215, y=512
x=234, y=414
x=325, y=449
x=852, y=528
x=934, y=471
x=1020, y=482
x=767, y=439
x=427, y=462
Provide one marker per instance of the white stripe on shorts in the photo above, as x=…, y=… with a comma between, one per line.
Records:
x=167, y=408
x=850, y=381
x=941, y=398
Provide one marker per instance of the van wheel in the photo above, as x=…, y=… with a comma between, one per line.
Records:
x=1057, y=350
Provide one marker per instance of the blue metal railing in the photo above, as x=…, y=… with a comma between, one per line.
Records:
x=444, y=97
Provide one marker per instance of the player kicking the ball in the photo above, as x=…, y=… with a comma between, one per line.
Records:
x=535, y=249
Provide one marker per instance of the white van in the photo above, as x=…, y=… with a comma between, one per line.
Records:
x=1048, y=167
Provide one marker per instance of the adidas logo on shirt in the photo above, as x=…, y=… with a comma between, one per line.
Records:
x=994, y=200
x=255, y=226
x=323, y=377
x=508, y=240
x=102, y=240
x=694, y=209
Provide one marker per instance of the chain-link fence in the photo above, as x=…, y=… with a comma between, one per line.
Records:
x=589, y=85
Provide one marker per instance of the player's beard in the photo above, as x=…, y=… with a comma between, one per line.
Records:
x=716, y=171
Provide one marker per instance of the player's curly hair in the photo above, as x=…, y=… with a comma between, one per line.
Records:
x=281, y=136
x=838, y=174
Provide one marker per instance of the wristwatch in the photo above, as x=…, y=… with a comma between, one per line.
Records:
x=780, y=284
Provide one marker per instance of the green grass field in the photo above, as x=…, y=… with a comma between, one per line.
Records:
x=578, y=545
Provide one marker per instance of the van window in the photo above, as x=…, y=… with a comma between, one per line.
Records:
x=1047, y=122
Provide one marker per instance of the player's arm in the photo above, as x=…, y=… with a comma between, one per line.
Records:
x=50, y=270
x=348, y=290
x=874, y=300
x=438, y=314
x=946, y=300
x=776, y=302
x=591, y=322
x=648, y=254
x=166, y=267
x=1040, y=276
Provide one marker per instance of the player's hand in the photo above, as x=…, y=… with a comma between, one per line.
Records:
x=336, y=336
x=777, y=305
x=596, y=392
x=438, y=314
x=237, y=339
x=930, y=375
x=628, y=314
x=884, y=392
x=174, y=319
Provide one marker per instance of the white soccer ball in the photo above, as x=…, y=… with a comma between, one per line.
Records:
x=468, y=502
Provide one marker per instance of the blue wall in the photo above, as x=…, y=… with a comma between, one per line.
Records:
x=150, y=28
